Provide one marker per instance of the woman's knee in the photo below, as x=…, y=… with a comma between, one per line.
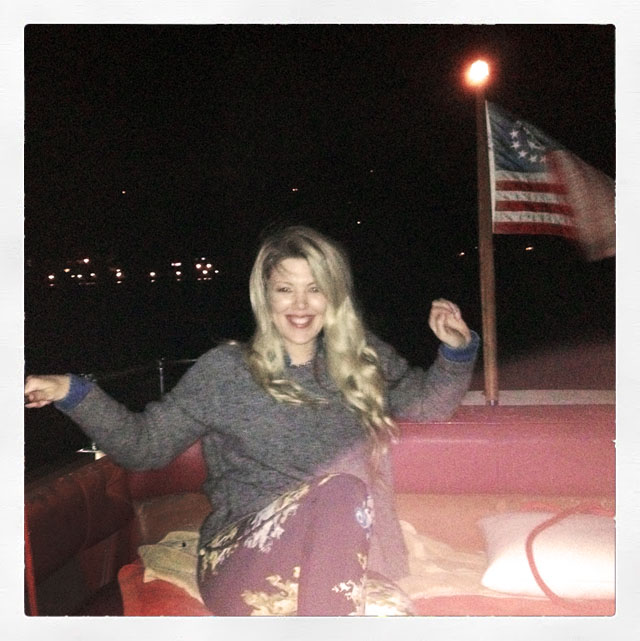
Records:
x=343, y=484
x=341, y=497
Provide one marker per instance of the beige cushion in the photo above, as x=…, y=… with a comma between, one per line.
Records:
x=575, y=556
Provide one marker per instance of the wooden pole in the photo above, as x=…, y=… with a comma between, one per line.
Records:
x=485, y=250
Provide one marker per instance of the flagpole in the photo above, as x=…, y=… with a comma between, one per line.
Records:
x=485, y=244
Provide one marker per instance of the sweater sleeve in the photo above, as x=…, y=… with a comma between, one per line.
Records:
x=152, y=438
x=432, y=394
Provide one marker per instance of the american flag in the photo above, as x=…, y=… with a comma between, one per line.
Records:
x=540, y=187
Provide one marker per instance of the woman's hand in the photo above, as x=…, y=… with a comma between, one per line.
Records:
x=43, y=390
x=445, y=320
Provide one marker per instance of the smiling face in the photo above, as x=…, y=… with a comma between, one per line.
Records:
x=297, y=307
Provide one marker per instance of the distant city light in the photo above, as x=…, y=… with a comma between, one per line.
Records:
x=294, y=189
x=529, y=248
x=205, y=272
x=359, y=222
x=461, y=254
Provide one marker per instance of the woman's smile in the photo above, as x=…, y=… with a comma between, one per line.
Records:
x=300, y=322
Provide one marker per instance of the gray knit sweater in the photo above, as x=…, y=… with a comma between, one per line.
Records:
x=257, y=448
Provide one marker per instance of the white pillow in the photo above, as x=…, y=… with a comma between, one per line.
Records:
x=575, y=557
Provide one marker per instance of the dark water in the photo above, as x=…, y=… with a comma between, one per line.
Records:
x=545, y=299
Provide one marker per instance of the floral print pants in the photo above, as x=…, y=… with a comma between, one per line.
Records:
x=304, y=554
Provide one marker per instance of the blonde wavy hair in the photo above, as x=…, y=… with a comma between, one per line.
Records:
x=352, y=364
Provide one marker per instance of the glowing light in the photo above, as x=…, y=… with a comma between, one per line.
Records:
x=460, y=254
x=199, y=266
x=178, y=273
x=209, y=265
x=79, y=275
x=85, y=260
x=67, y=270
x=51, y=276
x=478, y=73
x=294, y=189
x=152, y=274
x=92, y=274
x=529, y=248
x=177, y=264
x=205, y=271
x=217, y=271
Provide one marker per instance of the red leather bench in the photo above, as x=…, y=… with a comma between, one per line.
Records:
x=85, y=526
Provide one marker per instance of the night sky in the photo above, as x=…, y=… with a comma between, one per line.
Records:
x=209, y=129
x=145, y=143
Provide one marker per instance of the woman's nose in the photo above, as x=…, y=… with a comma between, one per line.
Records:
x=301, y=300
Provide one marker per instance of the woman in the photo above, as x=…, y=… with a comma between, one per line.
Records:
x=295, y=428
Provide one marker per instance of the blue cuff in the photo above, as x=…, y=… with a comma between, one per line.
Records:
x=79, y=387
x=463, y=354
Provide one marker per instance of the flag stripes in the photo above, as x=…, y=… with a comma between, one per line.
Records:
x=539, y=187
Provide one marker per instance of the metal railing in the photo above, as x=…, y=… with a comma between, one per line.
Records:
x=160, y=366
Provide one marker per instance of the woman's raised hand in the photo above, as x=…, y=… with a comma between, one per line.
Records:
x=43, y=390
x=446, y=322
